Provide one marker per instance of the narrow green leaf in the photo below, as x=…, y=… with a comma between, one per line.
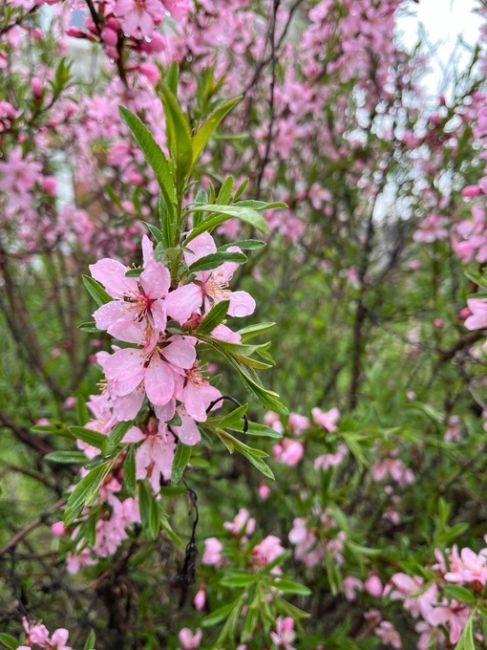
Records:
x=179, y=137
x=291, y=587
x=245, y=244
x=153, y=154
x=90, y=641
x=115, y=437
x=204, y=133
x=214, y=317
x=216, y=259
x=129, y=480
x=221, y=213
x=66, y=457
x=8, y=641
x=238, y=579
x=219, y=614
x=96, y=291
x=149, y=511
x=181, y=459
x=93, y=438
x=85, y=492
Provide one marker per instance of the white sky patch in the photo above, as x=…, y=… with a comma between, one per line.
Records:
x=444, y=23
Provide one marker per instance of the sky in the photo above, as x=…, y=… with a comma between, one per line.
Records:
x=444, y=21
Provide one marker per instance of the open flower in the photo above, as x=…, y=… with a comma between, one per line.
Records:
x=140, y=305
x=158, y=369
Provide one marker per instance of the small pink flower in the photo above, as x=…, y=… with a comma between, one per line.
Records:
x=327, y=419
x=478, y=309
x=190, y=640
x=212, y=555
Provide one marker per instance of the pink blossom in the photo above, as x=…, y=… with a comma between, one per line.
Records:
x=212, y=555
x=243, y=524
x=350, y=586
x=212, y=286
x=159, y=369
x=140, y=304
x=478, y=309
x=190, y=640
x=298, y=423
x=327, y=419
x=430, y=229
x=388, y=634
x=267, y=551
x=284, y=634
x=288, y=452
x=331, y=460
x=154, y=458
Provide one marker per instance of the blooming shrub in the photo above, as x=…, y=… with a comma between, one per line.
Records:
x=188, y=191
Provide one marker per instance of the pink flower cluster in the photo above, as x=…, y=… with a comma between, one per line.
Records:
x=314, y=535
x=441, y=617
x=38, y=636
x=241, y=529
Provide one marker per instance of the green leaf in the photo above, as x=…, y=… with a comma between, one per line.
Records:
x=257, y=429
x=90, y=641
x=221, y=213
x=466, y=641
x=291, y=587
x=67, y=457
x=8, y=641
x=219, y=614
x=93, y=438
x=86, y=491
x=153, y=154
x=134, y=273
x=179, y=137
x=172, y=77
x=261, y=205
x=149, y=511
x=214, y=317
x=238, y=579
x=181, y=459
x=88, y=326
x=115, y=437
x=96, y=291
x=460, y=593
x=129, y=480
x=245, y=244
x=216, y=259
x=248, y=333
x=204, y=133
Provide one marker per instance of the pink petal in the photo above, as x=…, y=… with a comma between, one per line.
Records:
x=147, y=245
x=134, y=434
x=183, y=301
x=188, y=432
x=158, y=311
x=109, y=313
x=155, y=280
x=166, y=412
x=180, y=352
x=112, y=276
x=241, y=304
x=197, y=398
x=124, y=370
x=201, y=246
x=159, y=381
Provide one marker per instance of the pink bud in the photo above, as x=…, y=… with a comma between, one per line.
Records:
x=438, y=323
x=264, y=491
x=373, y=586
x=58, y=529
x=200, y=599
x=464, y=313
x=69, y=402
x=471, y=191
x=150, y=71
x=36, y=87
x=49, y=185
x=109, y=36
